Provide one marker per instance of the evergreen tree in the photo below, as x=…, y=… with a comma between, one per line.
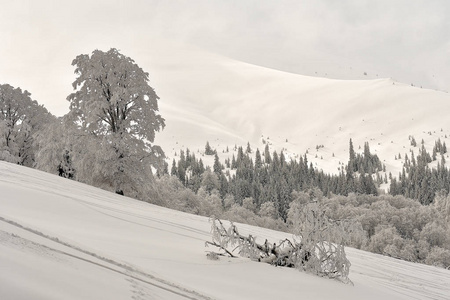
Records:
x=240, y=157
x=227, y=163
x=217, y=165
x=249, y=149
x=233, y=163
x=352, y=157
x=282, y=159
x=182, y=160
x=209, y=150
x=223, y=185
x=210, y=181
x=275, y=164
x=201, y=167
x=258, y=160
x=173, y=170
x=267, y=158
x=181, y=172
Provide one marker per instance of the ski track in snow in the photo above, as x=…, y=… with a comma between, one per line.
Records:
x=102, y=208
x=133, y=275
x=416, y=281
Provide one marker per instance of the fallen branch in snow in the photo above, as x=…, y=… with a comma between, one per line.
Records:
x=317, y=257
x=275, y=254
x=219, y=246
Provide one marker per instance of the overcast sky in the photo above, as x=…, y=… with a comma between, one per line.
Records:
x=407, y=40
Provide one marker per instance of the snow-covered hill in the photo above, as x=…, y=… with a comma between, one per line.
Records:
x=60, y=239
x=206, y=97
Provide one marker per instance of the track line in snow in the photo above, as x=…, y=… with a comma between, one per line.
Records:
x=412, y=280
x=91, y=204
x=148, y=218
x=123, y=268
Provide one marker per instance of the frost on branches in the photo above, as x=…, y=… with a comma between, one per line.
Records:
x=317, y=247
x=20, y=120
x=116, y=112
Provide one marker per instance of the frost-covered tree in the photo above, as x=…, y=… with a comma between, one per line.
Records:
x=321, y=239
x=20, y=119
x=442, y=204
x=267, y=209
x=210, y=181
x=117, y=111
x=57, y=147
x=439, y=257
x=210, y=203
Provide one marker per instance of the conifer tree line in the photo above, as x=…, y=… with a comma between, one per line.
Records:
x=418, y=180
x=270, y=177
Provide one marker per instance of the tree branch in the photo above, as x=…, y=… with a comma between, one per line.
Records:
x=219, y=246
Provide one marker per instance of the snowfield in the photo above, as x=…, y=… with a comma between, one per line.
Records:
x=60, y=239
x=207, y=97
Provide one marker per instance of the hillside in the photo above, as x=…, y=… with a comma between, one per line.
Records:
x=60, y=239
x=206, y=97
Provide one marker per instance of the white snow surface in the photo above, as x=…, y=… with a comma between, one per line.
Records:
x=60, y=239
x=207, y=97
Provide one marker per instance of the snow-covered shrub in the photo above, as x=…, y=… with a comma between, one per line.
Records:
x=5, y=155
x=439, y=257
x=386, y=241
x=321, y=241
x=317, y=248
x=187, y=201
x=267, y=209
x=442, y=205
x=210, y=203
x=228, y=201
x=435, y=234
x=172, y=194
x=241, y=214
x=249, y=204
x=422, y=250
x=409, y=251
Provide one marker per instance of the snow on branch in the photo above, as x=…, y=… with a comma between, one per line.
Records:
x=315, y=250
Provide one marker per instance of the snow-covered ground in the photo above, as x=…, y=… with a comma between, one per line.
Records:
x=207, y=97
x=60, y=239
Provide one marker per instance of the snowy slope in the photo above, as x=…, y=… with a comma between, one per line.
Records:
x=60, y=239
x=206, y=97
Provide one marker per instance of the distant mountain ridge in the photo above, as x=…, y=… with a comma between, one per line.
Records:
x=206, y=97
